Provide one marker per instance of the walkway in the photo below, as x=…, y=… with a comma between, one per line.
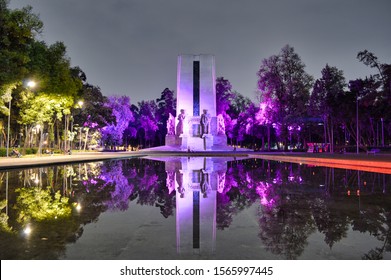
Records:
x=12, y=163
x=380, y=163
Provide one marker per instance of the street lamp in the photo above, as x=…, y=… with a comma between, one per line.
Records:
x=30, y=84
x=80, y=127
x=357, y=131
x=382, y=132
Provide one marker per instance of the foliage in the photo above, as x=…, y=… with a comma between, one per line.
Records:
x=166, y=105
x=4, y=227
x=284, y=84
x=112, y=133
x=223, y=95
x=18, y=29
x=325, y=98
x=148, y=119
x=41, y=204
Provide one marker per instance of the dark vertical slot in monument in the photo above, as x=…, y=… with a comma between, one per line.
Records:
x=196, y=220
x=196, y=88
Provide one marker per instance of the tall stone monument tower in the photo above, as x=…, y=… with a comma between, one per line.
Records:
x=197, y=128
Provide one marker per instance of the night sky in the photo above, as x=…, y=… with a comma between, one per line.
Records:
x=130, y=47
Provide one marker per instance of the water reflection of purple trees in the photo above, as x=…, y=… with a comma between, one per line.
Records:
x=140, y=181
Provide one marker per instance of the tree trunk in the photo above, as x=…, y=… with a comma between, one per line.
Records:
x=268, y=137
x=26, y=141
x=86, y=139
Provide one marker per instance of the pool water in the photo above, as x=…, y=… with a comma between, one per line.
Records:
x=194, y=208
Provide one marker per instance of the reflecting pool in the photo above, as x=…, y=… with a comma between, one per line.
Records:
x=194, y=208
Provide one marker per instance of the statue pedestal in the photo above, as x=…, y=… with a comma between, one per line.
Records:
x=197, y=143
x=208, y=141
x=171, y=140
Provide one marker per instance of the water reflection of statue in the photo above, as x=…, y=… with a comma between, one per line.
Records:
x=220, y=125
x=179, y=180
x=220, y=181
x=170, y=181
x=205, y=120
x=181, y=118
x=204, y=182
x=171, y=125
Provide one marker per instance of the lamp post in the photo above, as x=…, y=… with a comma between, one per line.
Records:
x=382, y=132
x=9, y=123
x=80, y=103
x=357, y=130
x=30, y=84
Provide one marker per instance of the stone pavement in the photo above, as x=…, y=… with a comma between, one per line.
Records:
x=24, y=162
x=380, y=163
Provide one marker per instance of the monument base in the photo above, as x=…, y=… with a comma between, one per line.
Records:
x=207, y=142
x=172, y=140
x=191, y=143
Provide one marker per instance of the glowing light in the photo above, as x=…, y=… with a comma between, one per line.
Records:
x=31, y=84
x=80, y=103
x=348, y=192
x=27, y=230
x=358, y=192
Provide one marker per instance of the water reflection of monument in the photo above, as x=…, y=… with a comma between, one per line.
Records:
x=196, y=181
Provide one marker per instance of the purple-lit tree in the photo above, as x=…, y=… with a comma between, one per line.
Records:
x=112, y=133
x=148, y=119
x=237, y=115
x=283, y=83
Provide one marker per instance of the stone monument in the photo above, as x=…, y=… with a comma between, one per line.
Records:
x=197, y=123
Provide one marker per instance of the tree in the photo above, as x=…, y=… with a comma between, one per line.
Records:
x=59, y=85
x=283, y=82
x=18, y=29
x=238, y=104
x=223, y=95
x=148, y=119
x=112, y=133
x=365, y=92
x=384, y=70
x=325, y=100
x=383, y=98
x=166, y=105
